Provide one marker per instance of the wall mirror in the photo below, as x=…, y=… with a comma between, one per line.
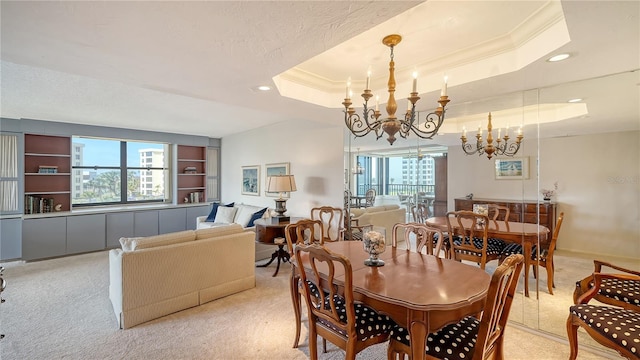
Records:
x=590, y=147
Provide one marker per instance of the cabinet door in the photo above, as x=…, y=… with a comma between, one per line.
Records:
x=172, y=220
x=10, y=238
x=42, y=238
x=194, y=212
x=85, y=233
x=145, y=223
x=118, y=225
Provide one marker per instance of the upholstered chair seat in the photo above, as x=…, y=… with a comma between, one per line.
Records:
x=369, y=323
x=620, y=326
x=494, y=246
x=454, y=341
x=627, y=291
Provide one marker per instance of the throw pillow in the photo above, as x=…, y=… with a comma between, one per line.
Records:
x=256, y=215
x=214, y=211
x=127, y=243
x=225, y=215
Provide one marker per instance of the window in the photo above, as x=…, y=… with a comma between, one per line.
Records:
x=114, y=171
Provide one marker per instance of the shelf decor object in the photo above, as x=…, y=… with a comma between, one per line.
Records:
x=506, y=148
x=374, y=245
x=370, y=120
x=281, y=184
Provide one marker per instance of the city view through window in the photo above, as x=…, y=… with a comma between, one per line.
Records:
x=100, y=165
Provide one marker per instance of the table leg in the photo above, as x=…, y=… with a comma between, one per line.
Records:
x=281, y=255
x=527, y=263
x=418, y=339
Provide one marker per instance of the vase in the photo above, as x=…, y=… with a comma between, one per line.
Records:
x=374, y=245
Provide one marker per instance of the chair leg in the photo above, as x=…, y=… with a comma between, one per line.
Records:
x=313, y=342
x=534, y=267
x=572, y=334
x=295, y=299
x=550, y=283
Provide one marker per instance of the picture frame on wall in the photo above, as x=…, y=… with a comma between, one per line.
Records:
x=276, y=169
x=251, y=180
x=512, y=168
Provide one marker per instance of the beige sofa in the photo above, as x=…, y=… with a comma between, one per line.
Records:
x=158, y=275
x=384, y=216
x=241, y=215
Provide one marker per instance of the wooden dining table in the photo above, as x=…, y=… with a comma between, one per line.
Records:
x=522, y=233
x=420, y=292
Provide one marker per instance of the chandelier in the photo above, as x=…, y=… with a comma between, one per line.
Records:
x=370, y=120
x=506, y=148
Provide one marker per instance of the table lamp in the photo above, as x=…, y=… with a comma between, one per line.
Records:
x=281, y=184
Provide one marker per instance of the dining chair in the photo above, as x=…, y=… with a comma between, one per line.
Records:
x=623, y=293
x=299, y=233
x=611, y=326
x=370, y=197
x=332, y=221
x=426, y=237
x=333, y=313
x=420, y=212
x=545, y=258
x=470, y=338
x=353, y=230
x=468, y=238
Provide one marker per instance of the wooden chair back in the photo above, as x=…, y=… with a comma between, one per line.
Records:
x=332, y=221
x=303, y=232
x=498, y=212
x=423, y=235
x=496, y=310
x=420, y=212
x=468, y=226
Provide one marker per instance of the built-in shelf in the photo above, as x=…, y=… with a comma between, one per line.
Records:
x=192, y=177
x=50, y=188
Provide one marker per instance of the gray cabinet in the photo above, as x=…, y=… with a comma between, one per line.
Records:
x=145, y=223
x=44, y=237
x=194, y=212
x=172, y=220
x=85, y=233
x=11, y=238
x=118, y=225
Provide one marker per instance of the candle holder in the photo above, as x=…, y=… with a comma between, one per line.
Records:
x=374, y=245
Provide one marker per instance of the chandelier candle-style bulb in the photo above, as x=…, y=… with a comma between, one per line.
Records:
x=502, y=146
x=370, y=121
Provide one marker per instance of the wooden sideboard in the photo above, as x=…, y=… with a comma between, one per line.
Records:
x=532, y=212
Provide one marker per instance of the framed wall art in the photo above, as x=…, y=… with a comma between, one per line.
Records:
x=276, y=169
x=251, y=180
x=512, y=168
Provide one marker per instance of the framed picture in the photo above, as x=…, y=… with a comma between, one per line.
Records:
x=512, y=169
x=251, y=180
x=276, y=169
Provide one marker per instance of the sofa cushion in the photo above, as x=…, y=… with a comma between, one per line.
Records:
x=218, y=231
x=372, y=209
x=245, y=213
x=163, y=240
x=225, y=215
x=214, y=211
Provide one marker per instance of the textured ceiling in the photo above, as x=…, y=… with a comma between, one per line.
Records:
x=192, y=67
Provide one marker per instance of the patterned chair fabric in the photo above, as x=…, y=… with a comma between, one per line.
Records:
x=494, y=246
x=369, y=323
x=470, y=238
x=614, y=327
x=454, y=341
x=471, y=338
x=622, y=292
x=621, y=326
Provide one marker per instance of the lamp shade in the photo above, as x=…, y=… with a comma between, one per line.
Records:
x=281, y=183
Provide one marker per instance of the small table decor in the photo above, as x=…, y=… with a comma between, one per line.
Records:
x=374, y=245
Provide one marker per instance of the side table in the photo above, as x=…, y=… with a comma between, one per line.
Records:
x=267, y=231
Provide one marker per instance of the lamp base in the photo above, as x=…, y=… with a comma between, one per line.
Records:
x=281, y=206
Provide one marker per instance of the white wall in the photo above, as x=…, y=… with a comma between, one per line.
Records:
x=599, y=187
x=315, y=154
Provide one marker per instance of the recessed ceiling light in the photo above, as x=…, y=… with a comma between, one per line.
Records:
x=558, y=57
x=574, y=100
x=264, y=88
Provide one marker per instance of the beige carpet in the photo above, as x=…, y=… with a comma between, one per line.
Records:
x=59, y=309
